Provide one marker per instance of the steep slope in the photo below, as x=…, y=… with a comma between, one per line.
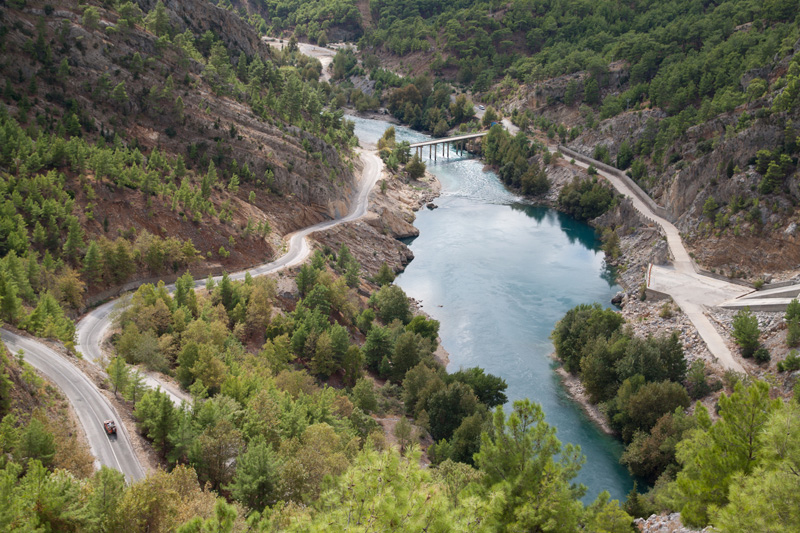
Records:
x=157, y=137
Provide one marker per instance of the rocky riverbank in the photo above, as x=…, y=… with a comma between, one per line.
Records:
x=578, y=393
x=666, y=523
x=374, y=239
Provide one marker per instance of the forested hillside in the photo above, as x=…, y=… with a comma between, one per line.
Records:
x=316, y=21
x=697, y=101
x=136, y=142
x=155, y=141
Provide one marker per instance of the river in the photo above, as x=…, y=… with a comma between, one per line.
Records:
x=497, y=274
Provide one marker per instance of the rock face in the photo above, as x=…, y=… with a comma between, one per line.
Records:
x=202, y=16
x=688, y=187
x=697, y=171
x=612, y=133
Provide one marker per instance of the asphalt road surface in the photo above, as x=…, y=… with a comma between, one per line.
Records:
x=91, y=406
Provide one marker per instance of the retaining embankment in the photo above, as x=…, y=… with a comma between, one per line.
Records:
x=634, y=187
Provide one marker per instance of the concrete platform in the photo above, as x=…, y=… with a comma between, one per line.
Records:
x=792, y=291
x=758, y=304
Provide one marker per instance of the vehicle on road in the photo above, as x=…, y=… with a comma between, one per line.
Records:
x=110, y=427
x=481, y=107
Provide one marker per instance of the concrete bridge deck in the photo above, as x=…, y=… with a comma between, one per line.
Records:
x=459, y=141
x=450, y=139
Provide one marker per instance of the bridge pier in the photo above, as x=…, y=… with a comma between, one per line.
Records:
x=459, y=145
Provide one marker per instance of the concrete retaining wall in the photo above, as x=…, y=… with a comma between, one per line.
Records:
x=643, y=196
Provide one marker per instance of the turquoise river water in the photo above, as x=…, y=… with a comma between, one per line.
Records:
x=498, y=274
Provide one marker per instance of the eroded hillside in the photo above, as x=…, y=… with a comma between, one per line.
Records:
x=159, y=136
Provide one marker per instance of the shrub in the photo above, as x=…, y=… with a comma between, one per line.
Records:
x=761, y=355
x=793, y=333
x=791, y=363
x=586, y=199
x=696, y=380
x=793, y=310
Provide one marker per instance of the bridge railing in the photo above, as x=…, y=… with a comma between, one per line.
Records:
x=443, y=140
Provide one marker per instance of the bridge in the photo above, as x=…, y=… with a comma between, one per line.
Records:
x=459, y=141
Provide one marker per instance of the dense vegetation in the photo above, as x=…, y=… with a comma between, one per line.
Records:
x=282, y=431
x=667, y=44
x=730, y=473
x=639, y=381
x=204, y=340
x=265, y=434
x=313, y=19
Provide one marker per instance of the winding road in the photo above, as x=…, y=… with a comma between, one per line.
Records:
x=689, y=289
x=90, y=405
x=93, y=327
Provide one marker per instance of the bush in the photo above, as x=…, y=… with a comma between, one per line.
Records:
x=639, y=405
x=579, y=326
x=793, y=310
x=696, y=380
x=791, y=363
x=761, y=355
x=586, y=199
x=392, y=304
x=793, y=333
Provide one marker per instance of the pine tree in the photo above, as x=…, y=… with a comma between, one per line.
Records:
x=323, y=362
x=179, y=110
x=136, y=386
x=122, y=265
x=256, y=481
x=158, y=20
x=119, y=94
x=91, y=17
x=385, y=275
x=118, y=374
x=74, y=242
x=10, y=303
x=306, y=279
x=39, y=234
x=352, y=274
x=209, y=180
x=233, y=185
x=746, y=331
x=241, y=67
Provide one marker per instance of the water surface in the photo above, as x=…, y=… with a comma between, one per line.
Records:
x=497, y=274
